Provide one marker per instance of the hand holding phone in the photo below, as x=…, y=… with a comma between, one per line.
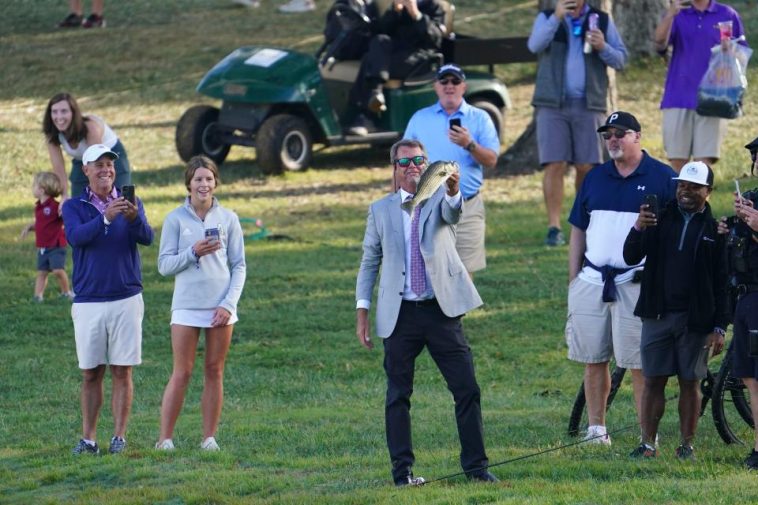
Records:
x=212, y=235
x=456, y=121
x=127, y=192
x=737, y=189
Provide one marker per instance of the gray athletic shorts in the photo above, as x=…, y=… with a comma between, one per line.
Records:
x=469, y=235
x=668, y=348
x=569, y=134
x=686, y=133
x=51, y=258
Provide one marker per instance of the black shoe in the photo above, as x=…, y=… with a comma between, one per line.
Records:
x=377, y=103
x=644, y=451
x=685, y=452
x=362, y=126
x=752, y=460
x=410, y=480
x=73, y=20
x=94, y=21
x=118, y=444
x=554, y=237
x=484, y=476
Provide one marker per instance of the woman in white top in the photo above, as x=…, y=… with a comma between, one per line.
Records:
x=67, y=129
x=202, y=247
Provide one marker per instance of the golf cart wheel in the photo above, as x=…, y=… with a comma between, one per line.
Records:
x=494, y=112
x=196, y=134
x=283, y=143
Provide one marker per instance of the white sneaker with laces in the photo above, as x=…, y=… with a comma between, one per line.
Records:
x=298, y=6
x=209, y=444
x=247, y=3
x=597, y=435
x=165, y=445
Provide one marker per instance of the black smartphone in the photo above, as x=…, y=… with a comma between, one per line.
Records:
x=212, y=234
x=652, y=203
x=128, y=193
x=456, y=121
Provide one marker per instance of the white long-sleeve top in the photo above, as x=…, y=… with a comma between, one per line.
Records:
x=214, y=280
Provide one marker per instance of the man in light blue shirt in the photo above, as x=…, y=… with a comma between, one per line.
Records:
x=571, y=94
x=453, y=130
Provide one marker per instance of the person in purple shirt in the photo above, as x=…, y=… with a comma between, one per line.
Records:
x=691, y=31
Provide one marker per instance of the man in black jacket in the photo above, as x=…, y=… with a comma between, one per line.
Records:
x=408, y=34
x=683, y=301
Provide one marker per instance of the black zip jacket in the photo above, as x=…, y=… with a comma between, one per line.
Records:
x=708, y=302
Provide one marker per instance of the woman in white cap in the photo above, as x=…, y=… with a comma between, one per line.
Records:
x=67, y=129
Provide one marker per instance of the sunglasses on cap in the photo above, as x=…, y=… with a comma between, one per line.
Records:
x=619, y=134
x=453, y=80
x=406, y=162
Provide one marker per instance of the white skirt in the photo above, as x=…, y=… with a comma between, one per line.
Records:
x=197, y=318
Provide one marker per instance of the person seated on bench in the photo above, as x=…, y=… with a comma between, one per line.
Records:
x=404, y=36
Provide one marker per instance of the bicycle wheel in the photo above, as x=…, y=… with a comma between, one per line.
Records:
x=578, y=417
x=730, y=406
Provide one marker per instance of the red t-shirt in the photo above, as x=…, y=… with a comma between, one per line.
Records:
x=48, y=224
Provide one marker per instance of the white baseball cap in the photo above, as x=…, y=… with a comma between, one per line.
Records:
x=696, y=172
x=97, y=151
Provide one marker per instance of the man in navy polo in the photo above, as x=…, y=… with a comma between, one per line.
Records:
x=602, y=288
x=691, y=32
x=474, y=145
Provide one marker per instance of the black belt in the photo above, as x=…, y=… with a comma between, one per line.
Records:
x=467, y=198
x=429, y=302
x=608, y=274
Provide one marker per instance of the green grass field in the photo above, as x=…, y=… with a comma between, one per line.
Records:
x=303, y=417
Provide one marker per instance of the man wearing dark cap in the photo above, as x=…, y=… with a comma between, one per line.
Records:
x=103, y=229
x=473, y=143
x=602, y=287
x=742, y=250
x=575, y=45
x=683, y=301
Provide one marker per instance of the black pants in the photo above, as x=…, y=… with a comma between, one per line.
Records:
x=384, y=60
x=422, y=325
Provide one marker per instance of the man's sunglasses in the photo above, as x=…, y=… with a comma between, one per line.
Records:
x=619, y=134
x=406, y=162
x=454, y=81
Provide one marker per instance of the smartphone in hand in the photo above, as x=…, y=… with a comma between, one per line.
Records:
x=128, y=193
x=651, y=201
x=212, y=234
x=456, y=121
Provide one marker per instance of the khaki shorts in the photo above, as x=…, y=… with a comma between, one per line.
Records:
x=108, y=333
x=688, y=134
x=596, y=330
x=469, y=235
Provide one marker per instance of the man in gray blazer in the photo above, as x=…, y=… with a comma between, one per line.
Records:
x=424, y=290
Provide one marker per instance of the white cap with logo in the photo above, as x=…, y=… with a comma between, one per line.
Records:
x=696, y=172
x=97, y=151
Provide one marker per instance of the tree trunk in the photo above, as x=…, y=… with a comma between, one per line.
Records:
x=636, y=21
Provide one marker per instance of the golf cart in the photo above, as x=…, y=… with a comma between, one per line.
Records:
x=282, y=102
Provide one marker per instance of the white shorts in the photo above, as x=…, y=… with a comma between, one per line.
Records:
x=688, y=134
x=598, y=330
x=109, y=333
x=197, y=318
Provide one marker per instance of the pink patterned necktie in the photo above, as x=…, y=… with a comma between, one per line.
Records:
x=418, y=268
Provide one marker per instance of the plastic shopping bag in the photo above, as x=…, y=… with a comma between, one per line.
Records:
x=724, y=83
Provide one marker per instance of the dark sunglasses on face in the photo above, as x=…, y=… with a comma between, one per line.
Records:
x=406, y=162
x=619, y=134
x=454, y=81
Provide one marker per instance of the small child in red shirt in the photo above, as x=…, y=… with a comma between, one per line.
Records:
x=51, y=240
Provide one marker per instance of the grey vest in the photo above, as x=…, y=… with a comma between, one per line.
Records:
x=551, y=69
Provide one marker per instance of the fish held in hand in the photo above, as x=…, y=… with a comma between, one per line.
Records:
x=433, y=177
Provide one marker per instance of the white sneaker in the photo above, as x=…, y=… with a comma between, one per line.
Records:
x=166, y=445
x=209, y=444
x=247, y=3
x=597, y=435
x=298, y=6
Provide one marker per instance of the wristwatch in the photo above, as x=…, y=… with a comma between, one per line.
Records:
x=471, y=146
